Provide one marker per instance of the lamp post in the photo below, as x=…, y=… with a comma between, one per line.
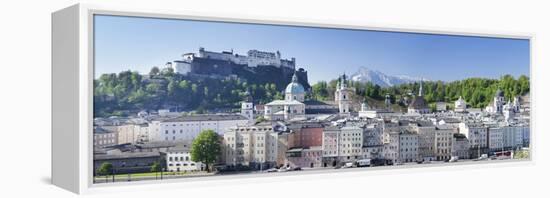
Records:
x=113, y=174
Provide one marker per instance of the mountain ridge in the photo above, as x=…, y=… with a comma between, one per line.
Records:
x=365, y=74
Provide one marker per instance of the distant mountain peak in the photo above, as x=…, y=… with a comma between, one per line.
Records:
x=365, y=74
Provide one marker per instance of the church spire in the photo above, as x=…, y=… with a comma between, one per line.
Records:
x=420, y=90
x=343, y=81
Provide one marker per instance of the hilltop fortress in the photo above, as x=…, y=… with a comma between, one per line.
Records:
x=255, y=58
x=257, y=66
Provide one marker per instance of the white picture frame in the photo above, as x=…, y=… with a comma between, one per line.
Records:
x=72, y=92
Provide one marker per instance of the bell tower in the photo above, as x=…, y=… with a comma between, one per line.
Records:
x=247, y=108
x=342, y=96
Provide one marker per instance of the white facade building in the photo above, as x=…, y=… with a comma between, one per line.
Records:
x=496, y=139
x=255, y=146
x=426, y=140
x=513, y=137
x=343, y=144
x=133, y=133
x=350, y=143
x=460, y=146
x=391, y=146
x=373, y=135
x=178, y=159
x=408, y=147
x=477, y=135
x=186, y=128
x=443, y=142
x=104, y=137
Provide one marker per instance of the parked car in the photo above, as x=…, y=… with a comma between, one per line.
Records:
x=453, y=159
x=297, y=168
x=363, y=162
x=378, y=162
x=484, y=156
x=348, y=165
x=282, y=169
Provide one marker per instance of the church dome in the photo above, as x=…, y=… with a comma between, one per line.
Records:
x=294, y=87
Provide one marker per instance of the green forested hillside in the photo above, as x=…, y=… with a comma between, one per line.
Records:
x=129, y=92
x=478, y=92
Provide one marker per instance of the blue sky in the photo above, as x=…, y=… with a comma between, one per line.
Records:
x=137, y=44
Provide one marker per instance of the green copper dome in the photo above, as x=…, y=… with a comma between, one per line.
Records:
x=294, y=87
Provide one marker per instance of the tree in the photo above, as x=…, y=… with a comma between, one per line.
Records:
x=156, y=168
x=167, y=71
x=521, y=154
x=260, y=119
x=128, y=92
x=206, y=148
x=320, y=91
x=106, y=168
x=154, y=71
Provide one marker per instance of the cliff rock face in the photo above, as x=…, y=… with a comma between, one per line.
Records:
x=261, y=74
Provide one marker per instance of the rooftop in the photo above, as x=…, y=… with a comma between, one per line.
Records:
x=99, y=130
x=418, y=103
x=204, y=117
x=127, y=155
x=179, y=149
x=284, y=102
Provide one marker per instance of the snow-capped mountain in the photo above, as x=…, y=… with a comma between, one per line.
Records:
x=366, y=75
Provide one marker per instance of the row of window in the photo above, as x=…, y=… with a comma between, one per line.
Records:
x=407, y=149
x=184, y=164
x=105, y=135
x=178, y=158
x=105, y=142
x=208, y=123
